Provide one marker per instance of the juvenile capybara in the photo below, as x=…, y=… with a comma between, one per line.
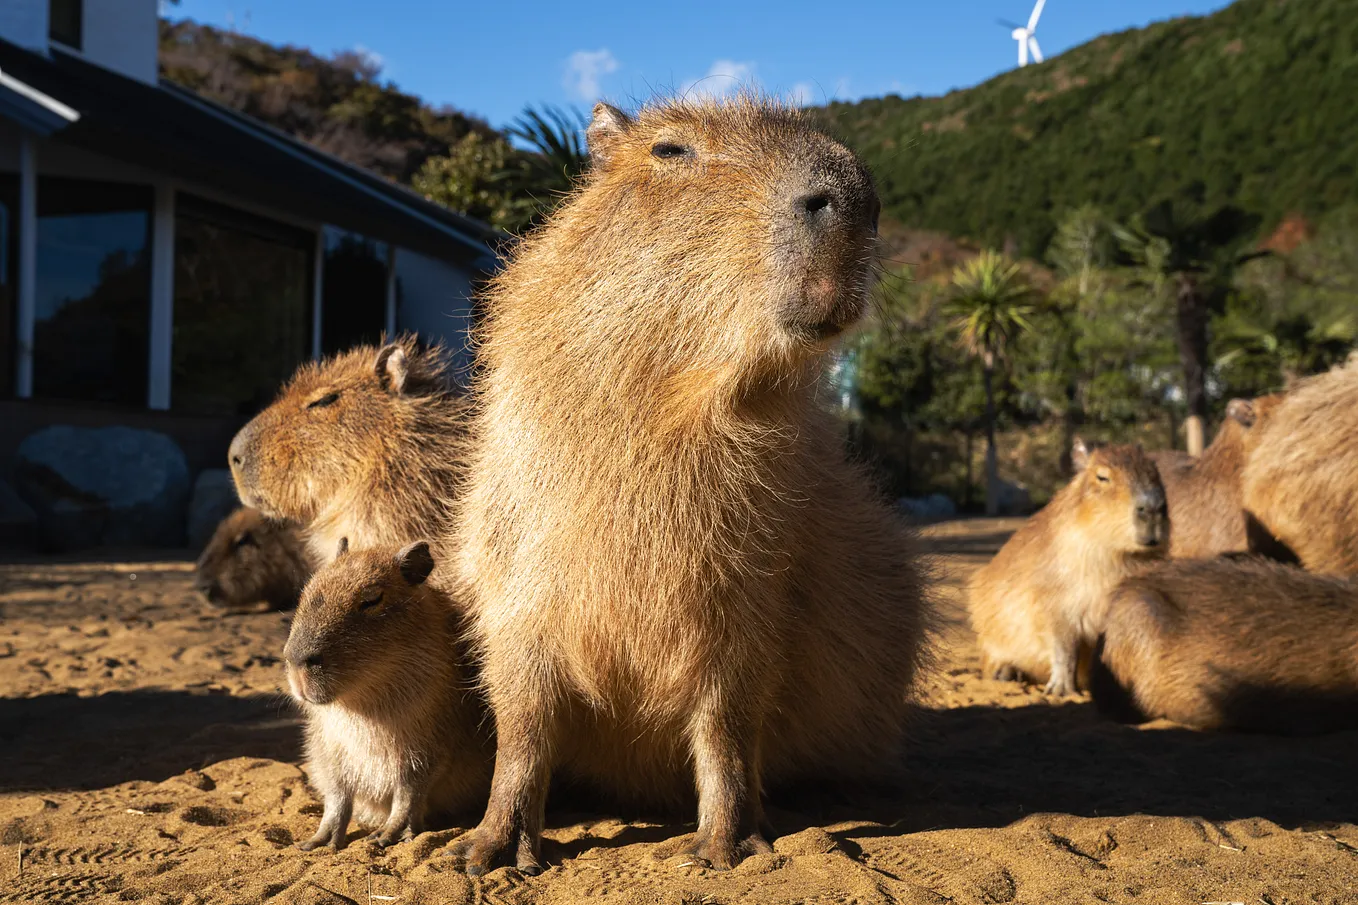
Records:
x=1205, y=504
x=1043, y=597
x=367, y=445
x=1235, y=643
x=677, y=580
x=374, y=661
x=252, y=559
x=1301, y=480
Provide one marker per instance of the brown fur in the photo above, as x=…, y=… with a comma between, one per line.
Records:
x=1301, y=480
x=1204, y=495
x=673, y=569
x=374, y=661
x=1232, y=644
x=1044, y=594
x=368, y=445
x=252, y=559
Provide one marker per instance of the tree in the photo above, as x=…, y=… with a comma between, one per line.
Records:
x=992, y=304
x=1194, y=260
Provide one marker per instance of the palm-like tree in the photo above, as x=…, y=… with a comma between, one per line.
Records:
x=992, y=304
x=1195, y=260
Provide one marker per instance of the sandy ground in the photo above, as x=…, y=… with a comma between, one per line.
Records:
x=146, y=754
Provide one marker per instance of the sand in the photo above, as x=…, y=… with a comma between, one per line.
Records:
x=146, y=754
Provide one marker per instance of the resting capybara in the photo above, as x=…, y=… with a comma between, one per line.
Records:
x=1231, y=644
x=373, y=659
x=1044, y=594
x=367, y=445
x=675, y=575
x=1301, y=480
x=1204, y=493
x=252, y=559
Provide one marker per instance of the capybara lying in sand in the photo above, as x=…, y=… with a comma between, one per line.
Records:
x=1043, y=595
x=252, y=559
x=367, y=445
x=1232, y=644
x=1204, y=496
x=675, y=575
x=1301, y=480
x=374, y=660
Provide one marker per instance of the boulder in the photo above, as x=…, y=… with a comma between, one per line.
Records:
x=214, y=498
x=110, y=486
x=1013, y=499
x=933, y=506
x=18, y=521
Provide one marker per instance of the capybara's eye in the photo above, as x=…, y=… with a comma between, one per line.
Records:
x=327, y=399
x=668, y=150
x=1103, y=477
x=244, y=540
x=371, y=602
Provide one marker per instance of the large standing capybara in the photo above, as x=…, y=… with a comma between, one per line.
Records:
x=368, y=445
x=1231, y=644
x=252, y=559
x=1043, y=597
x=374, y=660
x=1204, y=496
x=675, y=575
x=1301, y=480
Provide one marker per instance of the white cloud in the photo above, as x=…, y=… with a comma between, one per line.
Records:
x=723, y=77
x=585, y=68
x=803, y=94
x=370, y=57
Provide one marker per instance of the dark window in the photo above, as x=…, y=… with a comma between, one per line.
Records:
x=9, y=279
x=242, y=307
x=93, y=291
x=354, y=289
x=65, y=22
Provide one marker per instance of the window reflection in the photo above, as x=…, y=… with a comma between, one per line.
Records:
x=92, y=292
x=242, y=312
x=9, y=279
x=354, y=285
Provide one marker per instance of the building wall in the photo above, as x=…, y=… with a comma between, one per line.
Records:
x=24, y=22
x=435, y=301
x=123, y=35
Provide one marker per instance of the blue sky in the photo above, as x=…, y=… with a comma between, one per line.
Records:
x=491, y=58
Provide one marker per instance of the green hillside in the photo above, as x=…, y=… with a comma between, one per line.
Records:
x=1255, y=106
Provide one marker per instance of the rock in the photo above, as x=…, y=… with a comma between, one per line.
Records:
x=214, y=498
x=1013, y=499
x=935, y=505
x=18, y=521
x=112, y=486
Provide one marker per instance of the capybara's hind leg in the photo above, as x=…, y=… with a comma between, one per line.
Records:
x=731, y=820
x=511, y=831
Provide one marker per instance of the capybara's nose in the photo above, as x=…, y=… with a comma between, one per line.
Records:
x=236, y=453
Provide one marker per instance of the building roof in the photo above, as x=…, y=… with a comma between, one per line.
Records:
x=169, y=129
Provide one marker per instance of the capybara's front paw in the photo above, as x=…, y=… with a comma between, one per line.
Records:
x=325, y=837
x=1060, y=686
x=1006, y=673
x=386, y=838
x=723, y=853
x=480, y=851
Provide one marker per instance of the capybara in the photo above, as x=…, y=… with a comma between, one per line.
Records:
x=1204, y=497
x=367, y=445
x=1301, y=480
x=252, y=559
x=374, y=660
x=1234, y=643
x=1042, y=598
x=677, y=579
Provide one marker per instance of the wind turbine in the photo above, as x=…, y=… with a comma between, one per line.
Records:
x=1027, y=37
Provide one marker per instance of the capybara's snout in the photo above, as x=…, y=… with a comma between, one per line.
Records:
x=244, y=468
x=1151, y=514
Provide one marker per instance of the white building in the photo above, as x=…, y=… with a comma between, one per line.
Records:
x=166, y=262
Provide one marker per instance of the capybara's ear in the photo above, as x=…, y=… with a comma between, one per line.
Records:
x=415, y=562
x=343, y=547
x=1241, y=410
x=393, y=368
x=1079, y=455
x=608, y=125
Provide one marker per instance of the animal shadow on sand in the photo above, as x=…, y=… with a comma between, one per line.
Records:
x=63, y=741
